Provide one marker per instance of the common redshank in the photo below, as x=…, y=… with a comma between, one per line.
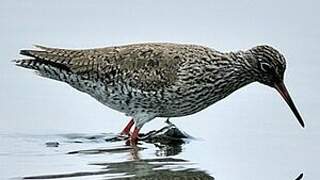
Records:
x=150, y=80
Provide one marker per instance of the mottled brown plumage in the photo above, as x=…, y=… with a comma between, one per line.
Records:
x=159, y=79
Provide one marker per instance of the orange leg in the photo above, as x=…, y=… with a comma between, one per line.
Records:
x=126, y=130
x=134, y=136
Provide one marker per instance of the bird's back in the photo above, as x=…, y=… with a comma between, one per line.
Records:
x=150, y=78
x=150, y=62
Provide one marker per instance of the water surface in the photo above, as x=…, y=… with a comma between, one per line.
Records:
x=91, y=156
x=100, y=156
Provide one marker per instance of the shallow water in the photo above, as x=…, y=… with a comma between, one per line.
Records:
x=99, y=156
x=76, y=156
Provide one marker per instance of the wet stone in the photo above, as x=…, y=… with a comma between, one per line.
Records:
x=168, y=135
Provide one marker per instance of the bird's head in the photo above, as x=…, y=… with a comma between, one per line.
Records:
x=270, y=66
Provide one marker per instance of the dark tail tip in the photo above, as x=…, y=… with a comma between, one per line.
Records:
x=25, y=52
x=299, y=177
x=27, y=63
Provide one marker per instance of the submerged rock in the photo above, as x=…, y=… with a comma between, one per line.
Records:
x=168, y=135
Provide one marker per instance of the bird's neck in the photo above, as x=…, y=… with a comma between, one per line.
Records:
x=246, y=63
x=227, y=74
x=240, y=71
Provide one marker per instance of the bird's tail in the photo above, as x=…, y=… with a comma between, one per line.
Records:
x=43, y=67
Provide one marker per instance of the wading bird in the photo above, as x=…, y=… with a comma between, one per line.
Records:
x=152, y=80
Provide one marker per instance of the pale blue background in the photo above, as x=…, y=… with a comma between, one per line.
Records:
x=251, y=134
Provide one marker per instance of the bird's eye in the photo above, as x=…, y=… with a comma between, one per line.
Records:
x=265, y=67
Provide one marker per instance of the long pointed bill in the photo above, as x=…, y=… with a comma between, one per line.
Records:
x=285, y=94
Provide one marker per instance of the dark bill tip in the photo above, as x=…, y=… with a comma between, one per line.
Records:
x=300, y=177
x=281, y=88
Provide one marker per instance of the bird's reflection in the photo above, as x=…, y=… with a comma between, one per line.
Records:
x=161, y=168
x=167, y=141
